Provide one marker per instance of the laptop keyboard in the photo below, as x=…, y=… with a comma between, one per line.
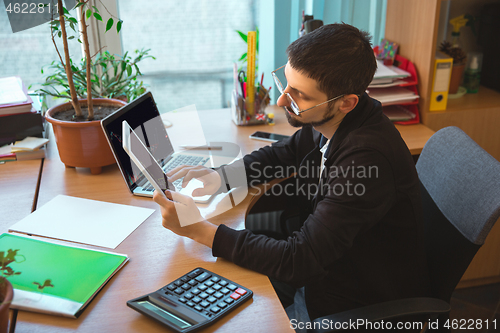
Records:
x=172, y=164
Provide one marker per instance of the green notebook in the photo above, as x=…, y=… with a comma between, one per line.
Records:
x=56, y=279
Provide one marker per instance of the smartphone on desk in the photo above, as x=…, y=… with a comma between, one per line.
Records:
x=269, y=137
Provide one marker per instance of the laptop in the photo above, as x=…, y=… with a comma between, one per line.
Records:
x=143, y=117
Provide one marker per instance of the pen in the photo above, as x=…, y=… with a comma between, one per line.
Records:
x=201, y=147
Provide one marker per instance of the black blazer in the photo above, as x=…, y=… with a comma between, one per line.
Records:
x=363, y=242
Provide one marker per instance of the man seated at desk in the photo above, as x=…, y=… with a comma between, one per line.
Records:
x=362, y=242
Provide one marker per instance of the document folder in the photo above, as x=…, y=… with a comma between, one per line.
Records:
x=440, y=82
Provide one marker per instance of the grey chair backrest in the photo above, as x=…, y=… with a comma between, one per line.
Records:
x=460, y=184
x=463, y=180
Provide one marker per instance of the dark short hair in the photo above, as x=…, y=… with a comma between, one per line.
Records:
x=338, y=56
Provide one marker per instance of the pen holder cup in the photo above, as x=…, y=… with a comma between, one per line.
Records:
x=240, y=114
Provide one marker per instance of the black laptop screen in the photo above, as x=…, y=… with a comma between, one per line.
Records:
x=143, y=116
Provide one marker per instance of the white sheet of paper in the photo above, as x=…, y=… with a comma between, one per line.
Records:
x=83, y=221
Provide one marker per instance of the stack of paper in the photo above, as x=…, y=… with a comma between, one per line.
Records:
x=26, y=149
x=392, y=95
x=14, y=96
x=398, y=113
x=387, y=76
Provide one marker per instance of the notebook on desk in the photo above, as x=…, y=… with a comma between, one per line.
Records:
x=144, y=118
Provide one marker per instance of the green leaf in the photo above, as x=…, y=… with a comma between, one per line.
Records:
x=88, y=13
x=72, y=19
x=72, y=26
x=65, y=10
x=71, y=37
x=79, y=41
x=80, y=4
x=118, y=26
x=243, y=56
x=129, y=70
x=95, y=8
x=98, y=17
x=59, y=33
x=242, y=35
x=109, y=24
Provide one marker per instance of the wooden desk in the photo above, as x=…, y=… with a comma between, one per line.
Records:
x=157, y=255
x=18, y=190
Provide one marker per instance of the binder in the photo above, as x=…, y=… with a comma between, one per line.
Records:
x=440, y=82
x=54, y=278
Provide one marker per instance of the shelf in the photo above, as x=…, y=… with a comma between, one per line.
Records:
x=485, y=99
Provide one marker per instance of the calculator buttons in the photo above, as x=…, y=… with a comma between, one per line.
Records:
x=202, y=277
x=195, y=291
x=225, y=291
x=231, y=287
x=241, y=291
x=182, y=300
x=191, y=304
x=178, y=291
x=211, y=299
x=209, y=283
x=198, y=308
x=188, y=296
x=222, y=305
x=216, y=287
x=186, y=286
x=204, y=304
x=218, y=295
x=215, y=309
x=194, y=273
x=202, y=287
x=203, y=295
x=215, y=279
x=223, y=283
x=229, y=300
x=210, y=291
x=235, y=296
x=178, y=283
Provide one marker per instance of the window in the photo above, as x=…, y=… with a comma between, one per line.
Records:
x=195, y=45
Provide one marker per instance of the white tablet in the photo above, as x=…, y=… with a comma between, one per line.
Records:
x=143, y=159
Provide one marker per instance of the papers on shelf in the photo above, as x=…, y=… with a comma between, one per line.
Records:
x=387, y=74
x=83, y=221
x=398, y=113
x=392, y=95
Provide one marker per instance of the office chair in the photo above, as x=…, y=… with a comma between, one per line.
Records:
x=460, y=185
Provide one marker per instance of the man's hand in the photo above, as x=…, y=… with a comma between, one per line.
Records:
x=210, y=178
x=181, y=216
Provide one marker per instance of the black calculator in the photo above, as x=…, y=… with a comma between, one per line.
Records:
x=193, y=301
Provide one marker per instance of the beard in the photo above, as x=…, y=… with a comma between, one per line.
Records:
x=296, y=122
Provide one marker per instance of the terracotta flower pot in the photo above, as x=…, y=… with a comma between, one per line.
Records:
x=456, y=77
x=6, y=295
x=82, y=144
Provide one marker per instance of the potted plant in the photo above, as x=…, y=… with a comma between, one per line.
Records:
x=459, y=59
x=79, y=137
x=6, y=290
x=113, y=76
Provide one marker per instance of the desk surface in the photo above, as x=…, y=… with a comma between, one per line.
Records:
x=157, y=255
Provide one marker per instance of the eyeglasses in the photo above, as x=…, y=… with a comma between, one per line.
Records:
x=293, y=104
